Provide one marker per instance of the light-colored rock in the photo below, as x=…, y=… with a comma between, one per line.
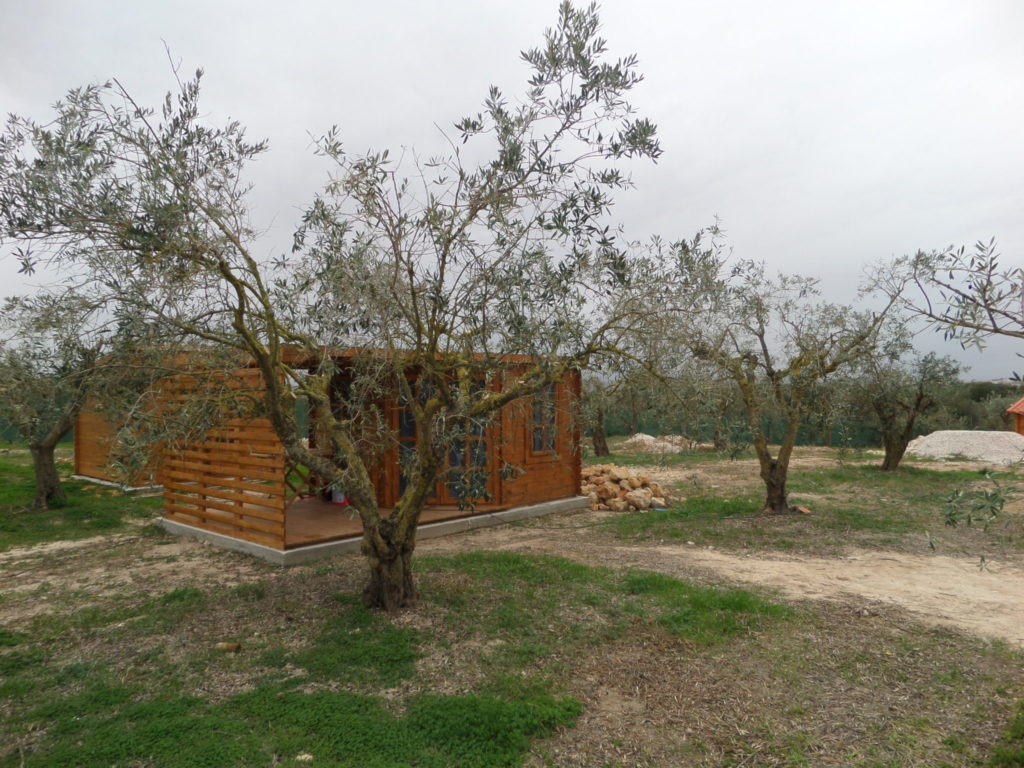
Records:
x=990, y=447
x=619, y=489
x=638, y=500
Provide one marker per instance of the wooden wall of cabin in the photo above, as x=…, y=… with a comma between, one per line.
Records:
x=233, y=483
x=94, y=436
x=547, y=474
x=551, y=468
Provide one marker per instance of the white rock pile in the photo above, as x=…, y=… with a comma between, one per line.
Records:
x=990, y=447
x=663, y=444
x=618, y=489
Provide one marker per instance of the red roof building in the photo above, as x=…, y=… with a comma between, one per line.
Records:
x=1017, y=409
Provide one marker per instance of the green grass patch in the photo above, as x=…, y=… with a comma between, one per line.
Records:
x=520, y=598
x=674, y=522
x=361, y=646
x=703, y=614
x=645, y=459
x=88, y=510
x=519, y=619
x=851, y=504
x=1010, y=752
x=904, y=481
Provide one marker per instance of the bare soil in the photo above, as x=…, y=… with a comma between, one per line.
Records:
x=871, y=674
x=980, y=597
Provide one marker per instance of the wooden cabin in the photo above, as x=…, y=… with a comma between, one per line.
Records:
x=1017, y=409
x=239, y=489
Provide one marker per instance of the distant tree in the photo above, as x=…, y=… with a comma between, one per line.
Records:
x=596, y=396
x=56, y=351
x=770, y=337
x=443, y=273
x=967, y=294
x=899, y=387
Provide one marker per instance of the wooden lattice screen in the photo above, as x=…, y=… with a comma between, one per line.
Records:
x=234, y=483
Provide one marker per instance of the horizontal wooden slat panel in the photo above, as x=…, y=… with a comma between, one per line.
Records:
x=227, y=518
x=236, y=458
x=273, y=502
x=249, y=510
x=246, y=448
x=219, y=480
x=218, y=469
x=242, y=433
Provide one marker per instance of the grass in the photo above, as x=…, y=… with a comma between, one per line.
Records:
x=683, y=459
x=88, y=511
x=503, y=654
x=1010, y=752
x=352, y=691
x=852, y=505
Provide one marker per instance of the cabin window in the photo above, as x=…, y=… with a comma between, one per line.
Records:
x=542, y=432
x=467, y=463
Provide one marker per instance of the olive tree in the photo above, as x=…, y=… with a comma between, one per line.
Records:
x=440, y=268
x=968, y=294
x=771, y=337
x=897, y=387
x=57, y=351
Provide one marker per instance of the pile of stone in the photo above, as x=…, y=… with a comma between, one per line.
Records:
x=663, y=444
x=618, y=489
x=989, y=447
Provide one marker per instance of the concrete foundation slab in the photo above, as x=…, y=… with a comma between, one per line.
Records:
x=141, y=490
x=326, y=549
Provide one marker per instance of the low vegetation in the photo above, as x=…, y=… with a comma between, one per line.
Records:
x=149, y=650
x=329, y=678
x=850, y=504
x=87, y=510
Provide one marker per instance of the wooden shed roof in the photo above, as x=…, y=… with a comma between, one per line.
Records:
x=1017, y=407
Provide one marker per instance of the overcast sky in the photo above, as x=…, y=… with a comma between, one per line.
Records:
x=826, y=135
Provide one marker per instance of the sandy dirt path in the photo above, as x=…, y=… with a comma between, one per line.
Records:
x=982, y=598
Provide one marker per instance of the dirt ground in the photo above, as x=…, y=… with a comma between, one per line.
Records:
x=981, y=598
x=858, y=665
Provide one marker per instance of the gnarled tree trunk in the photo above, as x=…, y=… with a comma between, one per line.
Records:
x=389, y=557
x=389, y=542
x=776, y=500
x=48, y=488
x=895, y=447
x=597, y=435
x=775, y=469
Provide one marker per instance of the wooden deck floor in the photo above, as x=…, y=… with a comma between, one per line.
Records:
x=312, y=521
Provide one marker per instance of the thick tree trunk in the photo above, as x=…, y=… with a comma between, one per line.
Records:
x=388, y=542
x=776, y=500
x=48, y=488
x=597, y=436
x=895, y=447
x=390, y=585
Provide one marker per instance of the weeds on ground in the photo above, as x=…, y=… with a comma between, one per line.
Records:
x=88, y=510
x=352, y=692
x=852, y=505
x=1010, y=752
x=976, y=505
